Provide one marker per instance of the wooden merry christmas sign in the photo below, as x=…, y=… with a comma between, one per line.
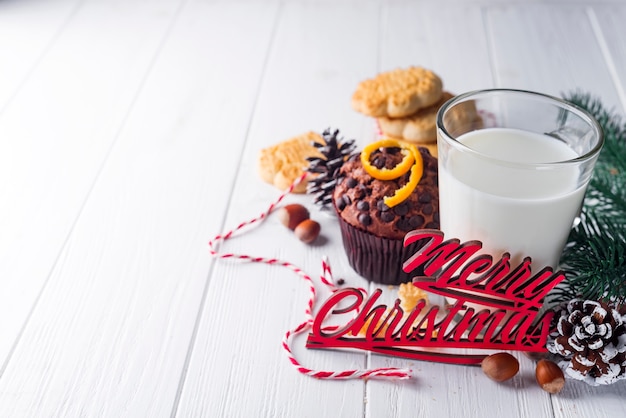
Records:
x=508, y=319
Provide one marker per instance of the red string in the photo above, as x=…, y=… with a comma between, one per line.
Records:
x=325, y=277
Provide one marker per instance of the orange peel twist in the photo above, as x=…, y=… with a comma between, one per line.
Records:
x=412, y=161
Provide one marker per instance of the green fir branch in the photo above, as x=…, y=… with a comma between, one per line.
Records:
x=607, y=189
x=594, y=261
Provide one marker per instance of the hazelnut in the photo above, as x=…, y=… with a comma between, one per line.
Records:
x=292, y=215
x=549, y=376
x=307, y=231
x=500, y=366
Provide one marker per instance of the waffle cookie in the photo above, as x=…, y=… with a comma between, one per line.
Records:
x=419, y=128
x=397, y=93
x=281, y=164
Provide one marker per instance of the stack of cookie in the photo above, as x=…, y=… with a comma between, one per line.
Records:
x=405, y=104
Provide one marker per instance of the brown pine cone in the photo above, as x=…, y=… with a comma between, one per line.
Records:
x=335, y=152
x=592, y=335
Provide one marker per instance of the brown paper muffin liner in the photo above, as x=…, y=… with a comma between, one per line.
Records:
x=377, y=259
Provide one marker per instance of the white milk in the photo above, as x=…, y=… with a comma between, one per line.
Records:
x=509, y=209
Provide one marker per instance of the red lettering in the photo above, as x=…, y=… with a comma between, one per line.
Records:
x=329, y=307
x=473, y=323
x=425, y=328
x=407, y=329
x=396, y=315
x=520, y=273
x=369, y=313
x=496, y=272
x=539, y=286
x=516, y=326
x=452, y=269
x=436, y=256
x=476, y=266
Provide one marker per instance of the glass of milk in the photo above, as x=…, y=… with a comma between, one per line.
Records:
x=513, y=169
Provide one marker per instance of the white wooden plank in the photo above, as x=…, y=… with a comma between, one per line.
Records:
x=514, y=41
x=319, y=53
x=576, y=45
x=110, y=335
x=579, y=399
x=446, y=38
x=55, y=135
x=607, y=21
x=563, y=52
x=548, y=48
x=27, y=31
x=458, y=51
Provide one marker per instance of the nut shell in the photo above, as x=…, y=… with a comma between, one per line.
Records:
x=307, y=231
x=292, y=215
x=500, y=366
x=549, y=376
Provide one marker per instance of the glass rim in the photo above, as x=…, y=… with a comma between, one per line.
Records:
x=564, y=104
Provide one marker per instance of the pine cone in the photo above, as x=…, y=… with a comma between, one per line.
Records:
x=335, y=152
x=592, y=336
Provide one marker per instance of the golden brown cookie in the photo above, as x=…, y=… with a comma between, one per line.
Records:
x=410, y=295
x=397, y=93
x=282, y=163
x=419, y=128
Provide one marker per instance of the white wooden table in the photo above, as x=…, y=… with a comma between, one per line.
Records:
x=129, y=131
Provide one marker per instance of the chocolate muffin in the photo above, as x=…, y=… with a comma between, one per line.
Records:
x=373, y=232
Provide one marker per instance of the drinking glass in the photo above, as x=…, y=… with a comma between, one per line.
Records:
x=513, y=169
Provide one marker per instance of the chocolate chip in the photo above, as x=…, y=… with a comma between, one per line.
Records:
x=380, y=205
x=387, y=216
x=425, y=198
x=432, y=225
x=436, y=217
x=403, y=225
x=341, y=204
x=416, y=221
x=363, y=205
x=346, y=199
x=351, y=182
x=379, y=162
x=427, y=209
x=365, y=219
x=402, y=209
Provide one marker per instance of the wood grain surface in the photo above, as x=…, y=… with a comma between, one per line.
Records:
x=129, y=131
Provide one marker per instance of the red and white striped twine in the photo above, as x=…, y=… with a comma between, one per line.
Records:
x=325, y=277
